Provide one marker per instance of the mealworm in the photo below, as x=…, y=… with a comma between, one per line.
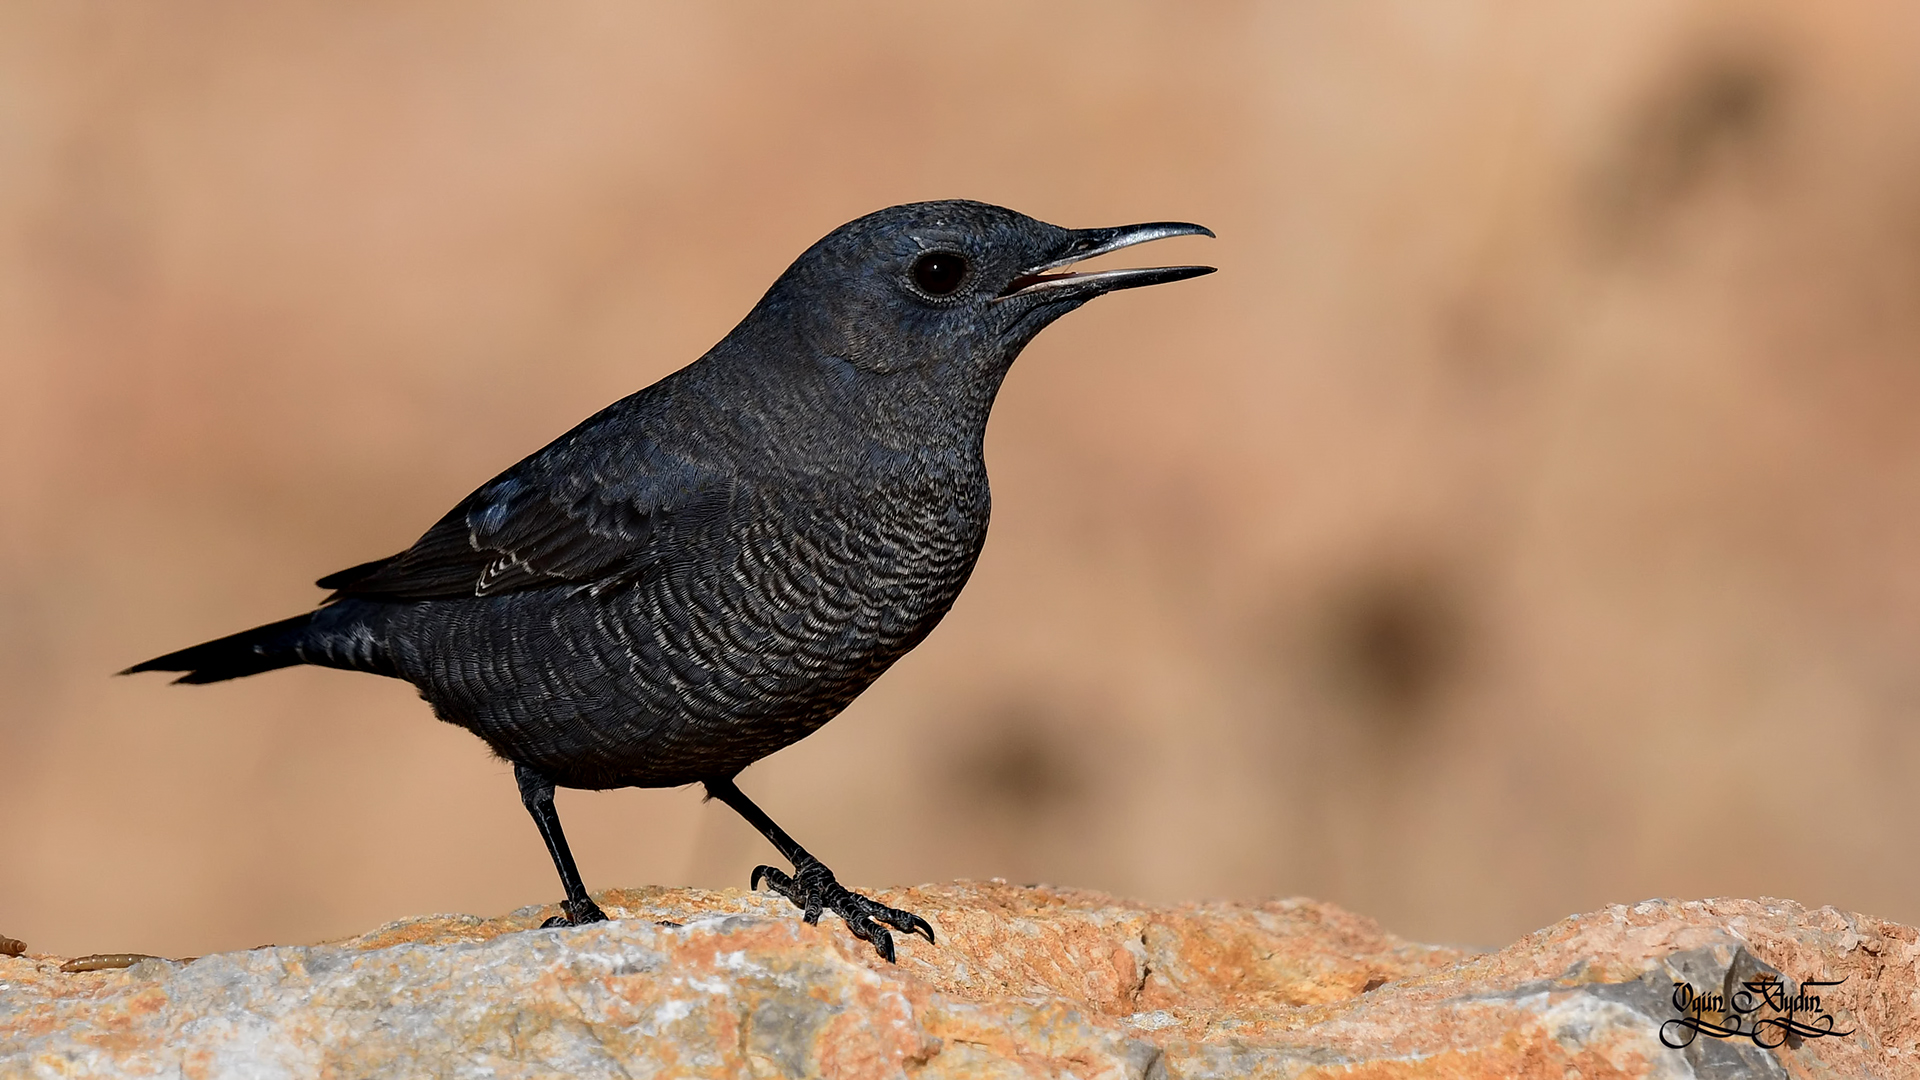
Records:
x=104, y=961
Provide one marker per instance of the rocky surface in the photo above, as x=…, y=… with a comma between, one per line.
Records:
x=1024, y=982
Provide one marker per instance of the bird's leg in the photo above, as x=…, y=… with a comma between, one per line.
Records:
x=812, y=887
x=536, y=792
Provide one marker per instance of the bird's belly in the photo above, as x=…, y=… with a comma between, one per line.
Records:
x=704, y=667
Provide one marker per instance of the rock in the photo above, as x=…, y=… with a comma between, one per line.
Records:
x=1024, y=982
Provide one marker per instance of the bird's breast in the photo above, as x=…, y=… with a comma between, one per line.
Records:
x=865, y=571
x=809, y=598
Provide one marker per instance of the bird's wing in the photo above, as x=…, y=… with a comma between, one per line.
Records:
x=551, y=520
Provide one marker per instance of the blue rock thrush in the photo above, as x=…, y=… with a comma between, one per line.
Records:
x=708, y=570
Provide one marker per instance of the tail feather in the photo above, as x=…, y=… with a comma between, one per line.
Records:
x=249, y=652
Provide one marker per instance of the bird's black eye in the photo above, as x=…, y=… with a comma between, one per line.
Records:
x=939, y=273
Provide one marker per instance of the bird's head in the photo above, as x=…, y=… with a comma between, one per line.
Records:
x=949, y=291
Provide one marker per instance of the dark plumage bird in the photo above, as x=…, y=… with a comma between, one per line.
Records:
x=710, y=569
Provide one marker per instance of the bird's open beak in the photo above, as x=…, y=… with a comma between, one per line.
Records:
x=1086, y=244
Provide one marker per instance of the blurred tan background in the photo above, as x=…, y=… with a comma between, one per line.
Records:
x=1525, y=518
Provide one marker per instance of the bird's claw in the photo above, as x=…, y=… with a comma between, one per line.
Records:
x=813, y=889
x=576, y=914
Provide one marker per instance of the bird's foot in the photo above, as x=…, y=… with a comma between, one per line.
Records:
x=812, y=889
x=576, y=913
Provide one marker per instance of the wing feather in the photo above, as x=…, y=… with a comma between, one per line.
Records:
x=566, y=515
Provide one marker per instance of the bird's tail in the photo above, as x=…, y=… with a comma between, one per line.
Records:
x=249, y=652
